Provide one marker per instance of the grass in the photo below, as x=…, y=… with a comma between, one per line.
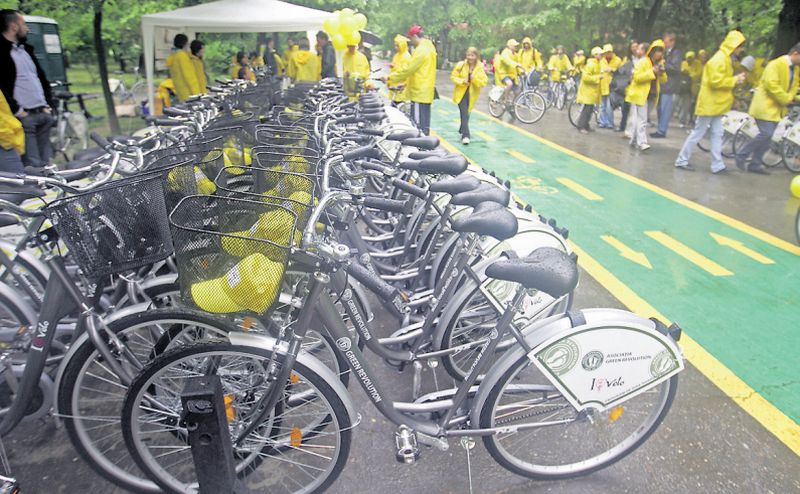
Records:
x=85, y=80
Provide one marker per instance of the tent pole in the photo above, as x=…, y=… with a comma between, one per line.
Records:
x=148, y=38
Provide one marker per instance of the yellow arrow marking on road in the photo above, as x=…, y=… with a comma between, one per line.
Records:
x=520, y=156
x=579, y=189
x=483, y=135
x=626, y=252
x=741, y=248
x=689, y=254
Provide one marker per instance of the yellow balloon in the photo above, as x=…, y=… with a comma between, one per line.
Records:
x=338, y=42
x=353, y=38
x=346, y=12
x=795, y=186
x=349, y=25
x=361, y=21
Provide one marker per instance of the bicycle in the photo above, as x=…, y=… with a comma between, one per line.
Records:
x=522, y=102
x=71, y=130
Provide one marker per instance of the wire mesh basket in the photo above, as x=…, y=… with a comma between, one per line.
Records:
x=114, y=228
x=231, y=253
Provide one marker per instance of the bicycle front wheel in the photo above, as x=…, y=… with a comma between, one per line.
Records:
x=574, y=112
x=497, y=108
x=554, y=440
x=529, y=107
x=790, y=152
x=301, y=446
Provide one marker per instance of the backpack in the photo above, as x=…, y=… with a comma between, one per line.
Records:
x=622, y=78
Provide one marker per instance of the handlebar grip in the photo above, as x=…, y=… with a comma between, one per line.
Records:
x=359, y=152
x=347, y=119
x=371, y=132
x=357, y=138
x=373, y=282
x=100, y=140
x=390, y=205
x=371, y=165
x=349, y=105
x=167, y=122
x=410, y=188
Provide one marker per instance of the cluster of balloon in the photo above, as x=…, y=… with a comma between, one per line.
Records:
x=795, y=186
x=344, y=28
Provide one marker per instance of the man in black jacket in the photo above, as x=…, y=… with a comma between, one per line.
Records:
x=328, y=54
x=672, y=63
x=26, y=88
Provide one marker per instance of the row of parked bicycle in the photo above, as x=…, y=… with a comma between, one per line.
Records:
x=247, y=238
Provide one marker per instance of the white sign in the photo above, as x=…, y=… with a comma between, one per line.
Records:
x=602, y=366
x=51, y=43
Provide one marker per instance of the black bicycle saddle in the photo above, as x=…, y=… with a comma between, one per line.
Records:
x=546, y=269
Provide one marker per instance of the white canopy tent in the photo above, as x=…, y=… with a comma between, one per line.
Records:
x=224, y=16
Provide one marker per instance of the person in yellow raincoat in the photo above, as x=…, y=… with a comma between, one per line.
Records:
x=589, y=91
x=241, y=68
x=529, y=57
x=713, y=101
x=579, y=60
x=559, y=64
x=12, y=140
x=197, y=48
x=400, y=61
x=496, y=66
x=645, y=81
x=509, y=68
x=469, y=77
x=608, y=66
x=291, y=49
x=181, y=69
x=686, y=101
x=305, y=65
x=770, y=103
x=356, y=67
x=420, y=78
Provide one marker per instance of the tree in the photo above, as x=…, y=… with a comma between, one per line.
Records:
x=102, y=65
x=788, y=30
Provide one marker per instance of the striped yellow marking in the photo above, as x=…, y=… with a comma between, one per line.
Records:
x=775, y=421
x=741, y=248
x=723, y=218
x=520, y=156
x=483, y=135
x=628, y=253
x=579, y=189
x=689, y=254
x=769, y=416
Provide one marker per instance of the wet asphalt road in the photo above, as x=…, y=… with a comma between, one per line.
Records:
x=707, y=444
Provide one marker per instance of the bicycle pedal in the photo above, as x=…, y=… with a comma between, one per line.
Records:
x=407, y=447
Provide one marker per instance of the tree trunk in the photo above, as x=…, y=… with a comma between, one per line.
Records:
x=788, y=32
x=103, y=67
x=643, y=21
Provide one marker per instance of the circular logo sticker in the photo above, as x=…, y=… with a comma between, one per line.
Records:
x=343, y=343
x=592, y=360
x=662, y=363
x=561, y=357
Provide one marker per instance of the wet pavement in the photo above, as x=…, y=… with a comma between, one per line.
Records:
x=707, y=443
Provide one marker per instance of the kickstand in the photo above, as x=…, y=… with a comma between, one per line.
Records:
x=468, y=443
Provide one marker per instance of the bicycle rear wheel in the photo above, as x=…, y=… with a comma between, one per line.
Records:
x=791, y=155
x=497, y=108
x=529, y=107
x=574, y=112
x=301, y=447
x=556, y=441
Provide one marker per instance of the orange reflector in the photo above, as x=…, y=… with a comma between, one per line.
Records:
x=615, y=413
x=294, y=378
x=296, y=437
x=204, y=263
x=248, y=323
x=229, y=411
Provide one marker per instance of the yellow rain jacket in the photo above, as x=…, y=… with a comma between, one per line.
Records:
x=716, y=86
x=181, y=71
x=496, y=66
x=199, y=72
x=643, y=77
x=774, y=93
x=460, y=75
x=578, y=62
x=11, y=133
x=591, y=80
x=307, y=66
x=507, y=65
x=287, y=60
x=613, y=64
x=400, y=61
x=558, y=64
x=420, y=73
x=356, y=65
x=530, y=59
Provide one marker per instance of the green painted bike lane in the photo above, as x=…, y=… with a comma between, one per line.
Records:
x=736, y=295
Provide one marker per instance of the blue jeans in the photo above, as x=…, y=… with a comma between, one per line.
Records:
x=10, y=162
x=758, y=145
x=664, y=112
x=702, y=125
x=421, y=114
x=606, y=113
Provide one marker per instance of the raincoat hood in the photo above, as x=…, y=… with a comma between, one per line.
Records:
x=526, y=39
x=731, y=42
x=402, y=43
x=302, y=57
x=689, y=54
x=656, y=44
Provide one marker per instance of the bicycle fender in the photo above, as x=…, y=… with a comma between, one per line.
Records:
x=27, y=256
x=568, y=331
x=269, y=344
x=19, y=300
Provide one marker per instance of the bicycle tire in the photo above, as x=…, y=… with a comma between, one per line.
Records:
x=573, y=112
x=15, y=312
x=790, y=152
x=496, y=108
x=276, y=443
x=81, y=360
x=727, y=139
x=556, y=438
x=529, y=100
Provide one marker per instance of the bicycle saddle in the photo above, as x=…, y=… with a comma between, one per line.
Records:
x=453, y=164
x=497, y=222
x=484, y=192
x=421, y=155
x=7, y=219
x=461, y=183
x=62, y=94
x=84, y=158
x=402, y=135
x=546, y=269
x=425, y=142
x=19, y=193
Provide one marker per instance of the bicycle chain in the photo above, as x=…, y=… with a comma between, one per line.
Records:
x=530, y=414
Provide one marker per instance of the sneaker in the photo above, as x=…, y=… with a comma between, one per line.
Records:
x=687, y=167
x=644, y=147
x=721, y=171
x=761, y=170
x=583, y=131
x=465, y=140
x=657, y=135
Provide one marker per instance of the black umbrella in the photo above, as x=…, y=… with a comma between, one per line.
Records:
x=371, y=38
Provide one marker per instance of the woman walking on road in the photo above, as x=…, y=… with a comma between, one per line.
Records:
x=646, y=80
x=469, y=77
x=589, y=90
